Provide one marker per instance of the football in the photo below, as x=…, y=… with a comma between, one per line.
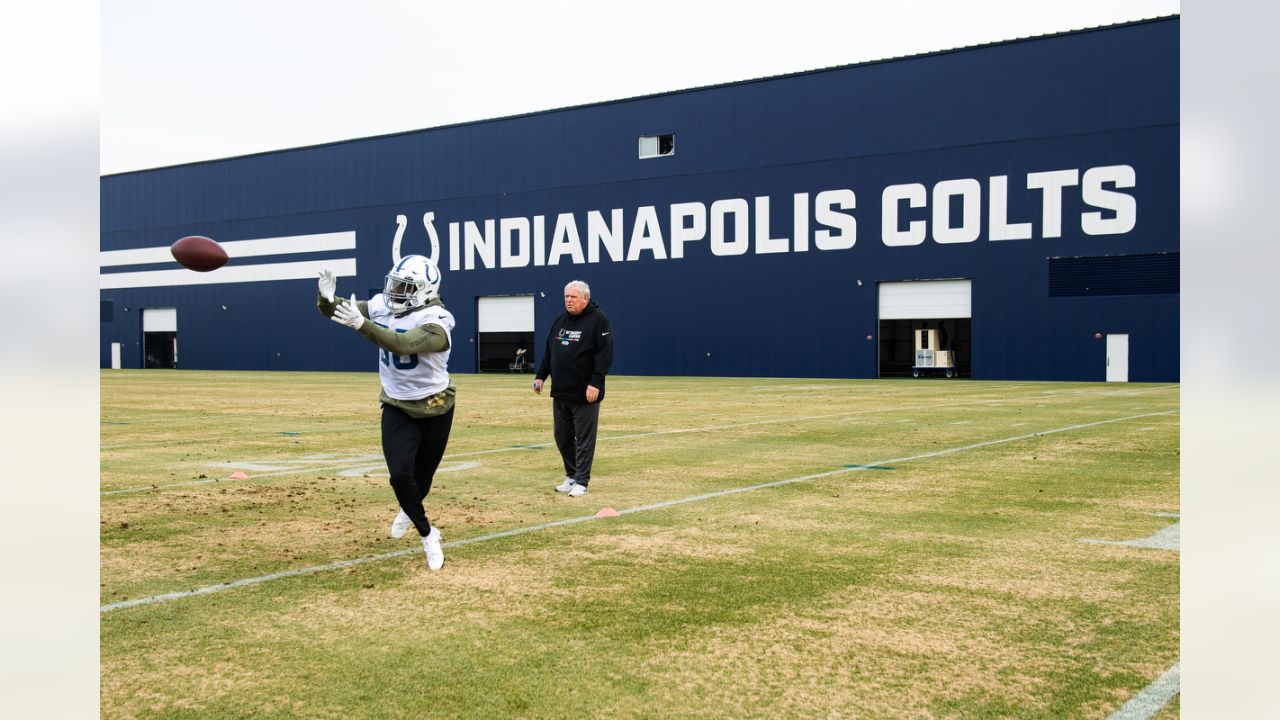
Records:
x=199, y=253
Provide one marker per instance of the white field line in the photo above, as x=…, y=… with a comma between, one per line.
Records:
x=585, y=518
x=948, y=401
x=539, y=446
x=303, y=469
x=1152, y=698
x=1166, y=538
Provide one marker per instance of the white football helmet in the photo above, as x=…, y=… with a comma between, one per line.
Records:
x=411, y=284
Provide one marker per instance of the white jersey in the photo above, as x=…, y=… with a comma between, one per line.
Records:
x=412, y=377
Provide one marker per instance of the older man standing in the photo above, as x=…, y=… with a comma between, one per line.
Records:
x=577, y=357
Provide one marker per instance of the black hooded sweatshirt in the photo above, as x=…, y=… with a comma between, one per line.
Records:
x=579, y=352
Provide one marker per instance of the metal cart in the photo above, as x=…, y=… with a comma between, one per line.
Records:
x=934, y=362
x=929, y=359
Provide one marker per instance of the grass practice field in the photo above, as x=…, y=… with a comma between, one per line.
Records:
x=785, y=549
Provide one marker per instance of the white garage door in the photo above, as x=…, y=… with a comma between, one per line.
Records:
x=160, y=320
x=509, y=313
x=925, y=299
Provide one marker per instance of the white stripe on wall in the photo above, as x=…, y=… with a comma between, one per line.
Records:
x=341, y=267
x=319, y=242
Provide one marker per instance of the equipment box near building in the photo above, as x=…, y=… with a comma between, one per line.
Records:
x=930, y=360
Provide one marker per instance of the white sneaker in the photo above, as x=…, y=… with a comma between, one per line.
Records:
x=400, y=525
x=435, y=553
x=577, y=490
x=565, y=486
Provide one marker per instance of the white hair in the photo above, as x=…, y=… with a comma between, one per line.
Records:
x=580, y=286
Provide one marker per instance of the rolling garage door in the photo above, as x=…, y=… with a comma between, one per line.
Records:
x=504, y=341
x=509, y=313
x=925, y=299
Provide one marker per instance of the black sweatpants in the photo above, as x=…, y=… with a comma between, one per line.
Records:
x=413, y=448
x=575, y=430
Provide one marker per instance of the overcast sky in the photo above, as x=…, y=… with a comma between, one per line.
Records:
x=189, y=81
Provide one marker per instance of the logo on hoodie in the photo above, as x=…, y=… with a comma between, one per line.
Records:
x=567, y=336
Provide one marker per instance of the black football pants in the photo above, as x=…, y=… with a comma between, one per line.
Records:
x=575, y=430
x=413, y=448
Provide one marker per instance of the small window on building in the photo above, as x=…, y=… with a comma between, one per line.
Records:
x=106, y=310
x=657, y=145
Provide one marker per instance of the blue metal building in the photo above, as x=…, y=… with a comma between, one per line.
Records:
x=1020, y=197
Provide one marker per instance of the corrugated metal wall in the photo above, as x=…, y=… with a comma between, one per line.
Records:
x=1092, y=99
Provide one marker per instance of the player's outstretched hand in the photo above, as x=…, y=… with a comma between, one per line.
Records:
x=348, y=313
x=328, y=285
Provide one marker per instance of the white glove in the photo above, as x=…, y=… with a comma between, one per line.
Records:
x=348, y=313
x=328, y=285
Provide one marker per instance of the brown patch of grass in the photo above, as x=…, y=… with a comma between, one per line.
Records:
x=647, y=547
x=463, y=597
x=188, y=685
x=867, y=651
x=1031, y=573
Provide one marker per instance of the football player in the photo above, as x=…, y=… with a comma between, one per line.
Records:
x=411, y=327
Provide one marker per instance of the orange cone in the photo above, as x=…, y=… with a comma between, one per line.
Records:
x=237, y=475
x=607, y=512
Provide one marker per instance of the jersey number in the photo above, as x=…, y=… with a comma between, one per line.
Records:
x=399, y=362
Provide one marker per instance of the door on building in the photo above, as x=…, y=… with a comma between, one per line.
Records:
x=1117, y=358
x=160, y=337
x=115, y=356
x=505, y=328
x=939, y=309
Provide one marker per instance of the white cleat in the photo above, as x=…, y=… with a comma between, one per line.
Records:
x=577, y=490
x=435, y=553
x=565, y=486
x=400, y=525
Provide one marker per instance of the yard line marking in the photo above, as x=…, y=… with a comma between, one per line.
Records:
x=932, y=406
x=302, y=469
x=799, y=387
x=308, y=468
x=1166, y=538
x=875, y=465
x=586, y=518
x=246, y=582
x=1152, y=698
x=539, y=446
